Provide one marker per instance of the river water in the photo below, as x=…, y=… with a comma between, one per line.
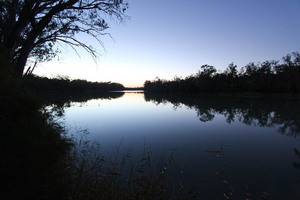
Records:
x=220, y=144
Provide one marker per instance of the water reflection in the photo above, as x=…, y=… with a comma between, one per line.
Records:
x=244, y=127
x=254, y=111
x=68, y=97
x=57, y=103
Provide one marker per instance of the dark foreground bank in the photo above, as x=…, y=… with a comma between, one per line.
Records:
x=40, y=162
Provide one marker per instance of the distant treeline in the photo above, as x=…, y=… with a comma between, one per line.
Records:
x=268, y=76
x=63, y=84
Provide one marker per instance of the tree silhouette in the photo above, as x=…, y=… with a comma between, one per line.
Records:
x=31, y=28
x=231, y=70
x=207, y=71
x=265, y=77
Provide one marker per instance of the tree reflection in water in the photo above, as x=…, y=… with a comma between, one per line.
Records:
x=279, y=112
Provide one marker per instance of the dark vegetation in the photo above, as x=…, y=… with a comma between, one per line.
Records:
x=32, y=144
x=119, y=176
x=62, y=89
x=266, y=77
x=63, y=84
x=30, y=30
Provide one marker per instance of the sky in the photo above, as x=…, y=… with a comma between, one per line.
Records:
x=168, y=38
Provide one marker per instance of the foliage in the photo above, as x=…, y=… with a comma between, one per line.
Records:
x=63, y=84
x=31, y=28
x=269, y=76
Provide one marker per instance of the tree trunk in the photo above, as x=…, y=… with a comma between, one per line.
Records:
x=20, y=65
x=24, y=54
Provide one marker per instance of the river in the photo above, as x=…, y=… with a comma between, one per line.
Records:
x=238, y=144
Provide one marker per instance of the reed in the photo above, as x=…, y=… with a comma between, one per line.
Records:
x=91, y=175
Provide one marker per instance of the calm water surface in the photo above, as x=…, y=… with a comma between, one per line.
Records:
x=257, y=136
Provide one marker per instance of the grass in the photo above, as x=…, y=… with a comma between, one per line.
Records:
x=94, y=176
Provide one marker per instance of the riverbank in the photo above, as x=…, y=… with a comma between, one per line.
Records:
x=40, y=162
x=33, y=146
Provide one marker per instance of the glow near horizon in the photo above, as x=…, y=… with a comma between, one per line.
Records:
x=174, y=37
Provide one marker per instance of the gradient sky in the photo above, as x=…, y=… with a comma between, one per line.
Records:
x=164, y=38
